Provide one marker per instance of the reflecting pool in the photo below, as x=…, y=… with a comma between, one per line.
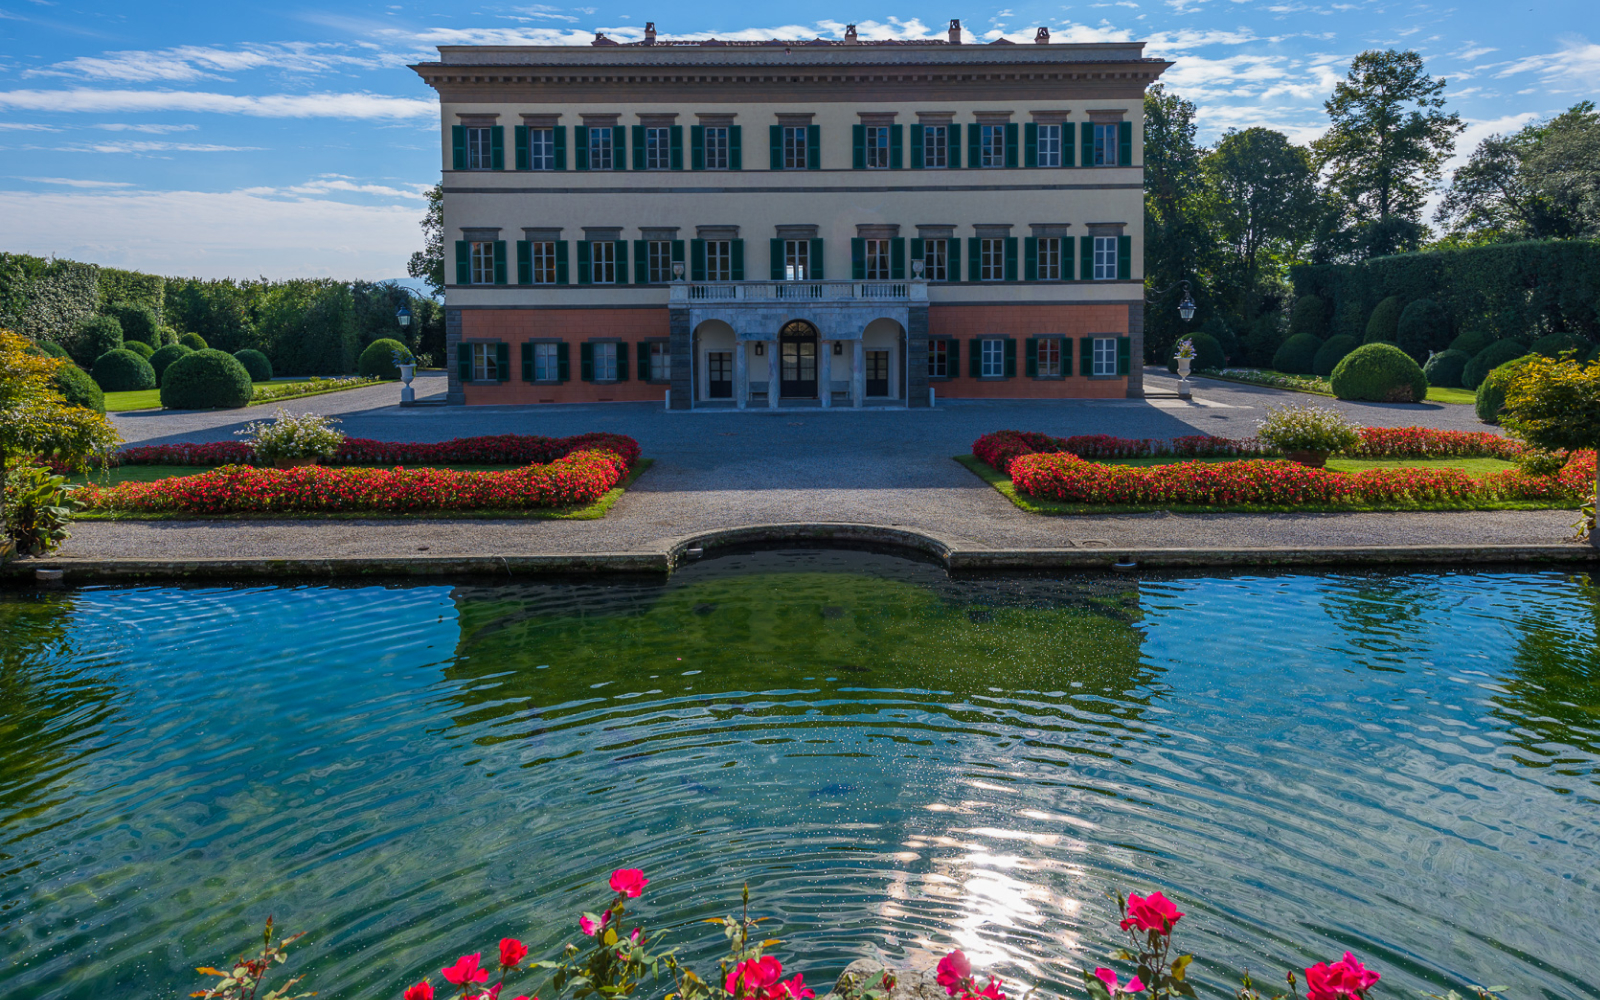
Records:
x=1405, y=766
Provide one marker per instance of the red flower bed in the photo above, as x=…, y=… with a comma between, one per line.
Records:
x=1425, y=442
x=500, y=449
x=581, y=477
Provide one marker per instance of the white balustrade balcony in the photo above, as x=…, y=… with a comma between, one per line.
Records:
x=812, y=292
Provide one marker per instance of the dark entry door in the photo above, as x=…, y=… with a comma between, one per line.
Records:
x=719, y=380
x=797, y=361
x=877, y=373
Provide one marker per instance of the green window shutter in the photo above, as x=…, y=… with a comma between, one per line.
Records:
x=974, y=259
x=497, y=147
x=1086, y=356
x=775, y=138
x=1069, y=142
x=1030, y=258
x=464, y=362
x=585, y=270
x=1124, y=258
x=622, y=362
x=974, y=142
x=586, y=362
x=563, y=362
x=1067, y=243
x=858, y=259
x=1066, y=355
x=1011, y=358
x=463, y=263
x=917, y=251
x=813, y=147
x=561, y=262
x=641, y=262
x=645, y=374
x=675, y=157
x=638, y=147
x=736, y=259
x=622, y=261
x=953, y=145
x=502, y=362
x=1011, y=258
x=1030, y=358
x=559, y=133
x=897, y=259
x=697, y=147
x=858, y=147
x=619, y=147
x=458, y=147
x=1087, y=133
x=896, y=151
x=975, y=357
x=1125, y=144
x=814, y=259
x=499, y=262
x=527, y=362
x=697, y=260
x=1124, y=355
x=952, y=249
x=521, y=135
x=735, y=148
x=580, y=147
x=775, y=249
x=916, y=147
x=1085, y=257
x=1011, y=144
x=1030, y=144
x=677, y=251
x=524, y=262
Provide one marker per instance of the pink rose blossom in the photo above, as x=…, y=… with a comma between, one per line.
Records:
x=1341, y=980
x=421, y=991
x=1154, y=912
x=466, y=971
x=1110, y=979
x=629, y=881
x=954, y=969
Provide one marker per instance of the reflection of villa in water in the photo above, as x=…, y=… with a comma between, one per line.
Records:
x=928, y=218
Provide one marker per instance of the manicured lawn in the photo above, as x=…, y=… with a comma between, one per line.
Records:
x=150, y=399
x=151, y=473
x=1444, y=394
x=1474, y=466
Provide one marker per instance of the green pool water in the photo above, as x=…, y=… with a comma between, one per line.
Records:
x=1404, y=766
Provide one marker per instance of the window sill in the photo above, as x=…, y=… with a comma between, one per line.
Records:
x=1048, y=378
x=1105, y=378
x=995, y=378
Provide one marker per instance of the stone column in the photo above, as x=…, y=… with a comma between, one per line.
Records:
x=825, y=372
x=741, y=371
x=773, y=370
x=858, y=377
x=917, y=357
x=1136, y=350
x=454, y=394
x=682, y=359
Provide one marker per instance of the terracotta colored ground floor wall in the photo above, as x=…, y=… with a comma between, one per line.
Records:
x=962, y=324
x=574, y=327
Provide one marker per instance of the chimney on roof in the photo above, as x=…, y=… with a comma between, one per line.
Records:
x=601, y=39
x=850, y=35
x=1042, y=37
x=649, y=32
x=955, y=31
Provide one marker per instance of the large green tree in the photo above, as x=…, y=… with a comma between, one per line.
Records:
x=1177, y=239
x=428, y=263
x=1540, y=182
x=1261, y=196
x=1386, y=146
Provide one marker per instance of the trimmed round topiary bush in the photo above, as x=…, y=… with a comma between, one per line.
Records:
x=1310, y=316
x=139, y=347
x=1492, y=390
x=257, y=364
x=123, y=371
x=77, y=388
x=205, y=380
x=1379, y=373
x=1552, y=344
x=1488, y=359
x=1472, y=342
x=1207, y=353
x=166, y=356
x=96, y=336
x=1384, y=321
x=52, y=349
x=377, y=360
x=193, y=341
x=1331, y=353
x=1424, y=327
x=168, y=336
x=138, y=321
x=1297, y=354
x=1445, y=368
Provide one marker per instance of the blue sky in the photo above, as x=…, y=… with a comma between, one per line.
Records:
x=287, y=139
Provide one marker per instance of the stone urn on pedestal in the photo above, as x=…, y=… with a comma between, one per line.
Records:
x=1185, y=359
x=408, y=395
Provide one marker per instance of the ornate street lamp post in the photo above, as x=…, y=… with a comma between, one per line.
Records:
x=408, y=395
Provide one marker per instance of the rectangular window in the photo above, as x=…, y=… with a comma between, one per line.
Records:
x=541, y=149
x=546, y=363
x=484, y=368
x=1105, y=356
x=877, y=147
x=543, y=256
x=1105, y=144
x=794, y=147
x=1050, y=258
x=877, y=260
x=658, y=257
x=660, y=362
x=603, y=262
x=992, y=146
x=716, y=147
x=480, y=149
x=796, y=260
x=938, y=359
x=1105, y=258
x=936, y=260
x=1049, y=146
x=1049, y=356
x=600, y=151
x=482, y=258
x=658, y=149
x=605, y=362
x=991, y=260
x=994, y=359
x=935, y=146
x=719, y=260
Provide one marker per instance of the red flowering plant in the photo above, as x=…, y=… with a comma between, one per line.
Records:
x=1148, y=921
x=954, y=973
x=748, y=973
x=495, y=449
x=244, y=980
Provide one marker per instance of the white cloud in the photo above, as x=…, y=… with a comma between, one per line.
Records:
x=196, y=62
x=357, y=105
x=136, y=147
x=149, y=129
x=1573, y=69
x=26, y=127
x=334, y=183
x=76, y=183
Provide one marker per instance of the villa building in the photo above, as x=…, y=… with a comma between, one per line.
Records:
x=808, y=223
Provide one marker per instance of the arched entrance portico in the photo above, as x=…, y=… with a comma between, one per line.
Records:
x=797, y=360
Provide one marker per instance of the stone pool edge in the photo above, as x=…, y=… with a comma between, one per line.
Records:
x=672, y=553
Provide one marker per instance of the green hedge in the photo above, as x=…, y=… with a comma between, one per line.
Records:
x=1331, y=353
x=1424, y=328
x=1492, y=390
x=166, y=356
x=1471, y=342
x=1297, y=354
x=377, y=361
x=78, y=388
x=139, y=322
x=1207, y=353
x=256, y=363
x=1380, y=373
x=1310, y=316
x=123, y=371
x=1383, y=322
x=95, y=336
x=1445, y=368
x=139, y=347
x=206, y=380
x=193, y=341
x=53, y=350
x=1488, y=359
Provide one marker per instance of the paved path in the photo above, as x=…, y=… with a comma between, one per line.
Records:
x=724, y=469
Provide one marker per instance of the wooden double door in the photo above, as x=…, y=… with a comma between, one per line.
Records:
x=797, y=361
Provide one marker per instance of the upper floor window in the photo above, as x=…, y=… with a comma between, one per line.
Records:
x=991, y=259
x=658, y=149
x=992, y=362
x=935, y=146
x=877, y=260
x=1105, y=356
x=936, y=260
x=481, y=258
x=716, y=147
x=992, y=146
x=541, y=149
x=542, y=255
x=1105, y=258
x=1047, y=356
x=794, y=147
x=484, y=368
x=1105, y=144
x=1049, y=149
x=796, y=260
x=877, y=147
x=603, y=262
x=480, y=148
x=658, y=261
x=546, y=363
x=719, y=260
x=1050, y=258
x=601, y=153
